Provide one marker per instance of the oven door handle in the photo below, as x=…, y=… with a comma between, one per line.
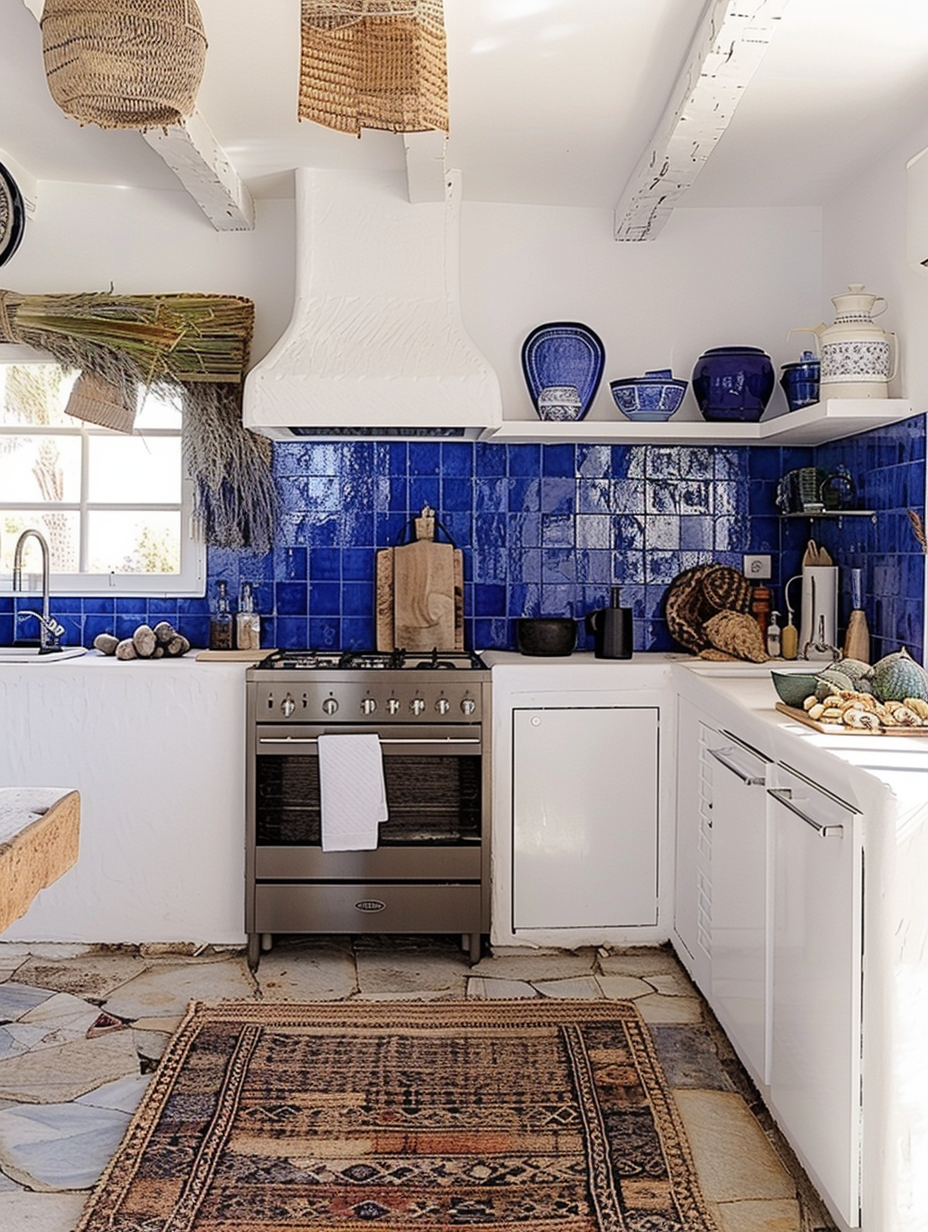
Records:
x=442, y=743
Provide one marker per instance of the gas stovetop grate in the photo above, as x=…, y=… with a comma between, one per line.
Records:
x=372, y=660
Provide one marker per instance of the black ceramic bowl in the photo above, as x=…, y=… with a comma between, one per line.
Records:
x=546, y=635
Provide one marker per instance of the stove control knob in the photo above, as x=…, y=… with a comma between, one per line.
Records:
x=468, y=705
x=288, y=705
x=368, y=705
x=393, y=705
x=443, y=705
x=330, y=705
x=417, y=705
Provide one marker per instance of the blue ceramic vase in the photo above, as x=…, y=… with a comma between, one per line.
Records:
x=733, y=383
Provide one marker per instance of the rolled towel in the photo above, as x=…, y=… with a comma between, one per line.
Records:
x=353, y=797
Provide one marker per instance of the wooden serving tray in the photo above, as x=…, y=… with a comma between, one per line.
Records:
x=838, y=729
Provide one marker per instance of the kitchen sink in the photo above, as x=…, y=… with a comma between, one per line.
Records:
x=30, y=654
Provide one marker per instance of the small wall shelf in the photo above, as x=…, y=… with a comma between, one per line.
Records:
x=812, y=425
x=833, y=513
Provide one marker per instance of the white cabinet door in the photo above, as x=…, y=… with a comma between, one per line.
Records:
x=739, y=896
x=816, y=1022
x=692, y=902
x=584, y=817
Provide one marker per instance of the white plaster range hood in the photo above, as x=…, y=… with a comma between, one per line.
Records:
x=376, y=345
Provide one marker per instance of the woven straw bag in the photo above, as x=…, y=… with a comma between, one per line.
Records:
x=374, y=64
x=96, y=400
x=124, y=63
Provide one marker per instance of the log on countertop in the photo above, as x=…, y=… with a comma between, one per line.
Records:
x=39, y=840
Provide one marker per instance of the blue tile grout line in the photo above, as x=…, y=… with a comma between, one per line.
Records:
x=547, y=530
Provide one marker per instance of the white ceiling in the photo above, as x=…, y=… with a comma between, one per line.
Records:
x=551, y=101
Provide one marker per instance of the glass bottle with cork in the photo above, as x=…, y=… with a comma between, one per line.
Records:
x=220, y=621
x=247, y=621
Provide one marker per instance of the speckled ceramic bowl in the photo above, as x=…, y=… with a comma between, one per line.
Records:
x=794, y=687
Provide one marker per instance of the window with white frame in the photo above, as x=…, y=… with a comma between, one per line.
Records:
x=115, y=508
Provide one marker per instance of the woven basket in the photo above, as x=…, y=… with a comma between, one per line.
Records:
x=124, y=64
x=374, y=64
x=97, y=401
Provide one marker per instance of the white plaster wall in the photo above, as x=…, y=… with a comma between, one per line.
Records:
x=712, y=278
x=86, y=237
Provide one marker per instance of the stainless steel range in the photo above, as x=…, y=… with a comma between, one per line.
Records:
x=430, y=870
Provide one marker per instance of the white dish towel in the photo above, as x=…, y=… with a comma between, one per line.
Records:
x=352, y=792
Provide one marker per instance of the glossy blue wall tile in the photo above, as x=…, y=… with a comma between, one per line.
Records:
x=547, y=530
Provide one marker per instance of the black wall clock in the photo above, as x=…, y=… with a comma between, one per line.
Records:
x=12, y=215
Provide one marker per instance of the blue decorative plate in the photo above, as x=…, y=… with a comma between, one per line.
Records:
x=563, y=353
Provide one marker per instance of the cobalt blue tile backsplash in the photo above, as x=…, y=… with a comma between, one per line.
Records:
x=546, y=530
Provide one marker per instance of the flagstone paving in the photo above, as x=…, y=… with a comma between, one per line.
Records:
x=82, y=1028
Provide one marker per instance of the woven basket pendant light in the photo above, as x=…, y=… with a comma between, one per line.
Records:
x=374, y=64
x=124, y=63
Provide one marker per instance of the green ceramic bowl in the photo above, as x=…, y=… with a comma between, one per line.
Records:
x=794, y=687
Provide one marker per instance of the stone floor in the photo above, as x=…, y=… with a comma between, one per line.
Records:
x=81, y=1030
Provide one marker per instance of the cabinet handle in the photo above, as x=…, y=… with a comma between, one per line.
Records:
x=784, y=796
x=752, y=780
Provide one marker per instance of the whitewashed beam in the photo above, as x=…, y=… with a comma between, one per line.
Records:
x=201, y=165
x=425, y=166
x=204, y=169
x=729, y=44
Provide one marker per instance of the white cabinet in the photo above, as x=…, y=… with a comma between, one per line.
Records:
x=584, y=817
x=737, y=775
x=815, y=1084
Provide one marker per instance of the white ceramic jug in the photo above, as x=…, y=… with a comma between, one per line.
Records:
x=859, y=359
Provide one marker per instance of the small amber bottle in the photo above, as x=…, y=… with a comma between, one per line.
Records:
x=760, y=608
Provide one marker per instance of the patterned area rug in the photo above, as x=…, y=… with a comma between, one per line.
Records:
x=536, y=1116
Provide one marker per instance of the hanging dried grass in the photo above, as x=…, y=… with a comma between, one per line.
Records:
x=374, y=64
x=193, y=344
x=236, y=500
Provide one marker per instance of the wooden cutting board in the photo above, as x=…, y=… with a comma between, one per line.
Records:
x=838, y=729
x=420, y=597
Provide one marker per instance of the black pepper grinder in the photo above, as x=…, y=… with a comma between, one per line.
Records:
x=612, y=629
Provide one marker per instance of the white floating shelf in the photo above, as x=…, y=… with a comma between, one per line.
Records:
x=813, y=425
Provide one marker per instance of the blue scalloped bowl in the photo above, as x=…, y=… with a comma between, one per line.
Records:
x=651, y=398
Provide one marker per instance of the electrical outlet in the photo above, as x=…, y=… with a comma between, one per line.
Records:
x=757, y=567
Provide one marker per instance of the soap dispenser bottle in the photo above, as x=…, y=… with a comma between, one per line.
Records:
x=774, y=635
x=220, y=621
x=247, y=621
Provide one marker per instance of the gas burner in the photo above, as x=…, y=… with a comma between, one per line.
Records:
x=449, y=660
x=310, y=660
x=378, y=660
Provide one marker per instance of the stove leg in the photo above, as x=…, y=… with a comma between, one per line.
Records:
x=475, y=947
x=254, y=950
x=267, y=942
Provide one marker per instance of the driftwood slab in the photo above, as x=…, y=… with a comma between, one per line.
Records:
x=39, y=840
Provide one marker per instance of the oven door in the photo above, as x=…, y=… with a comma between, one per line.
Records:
x=434, y=785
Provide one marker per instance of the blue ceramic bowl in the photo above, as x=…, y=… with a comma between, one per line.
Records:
x=733, y=383
x=651, y=398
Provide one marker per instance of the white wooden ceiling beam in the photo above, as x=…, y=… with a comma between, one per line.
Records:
x=204, y=169
x=425, y=166
x=729, y=44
